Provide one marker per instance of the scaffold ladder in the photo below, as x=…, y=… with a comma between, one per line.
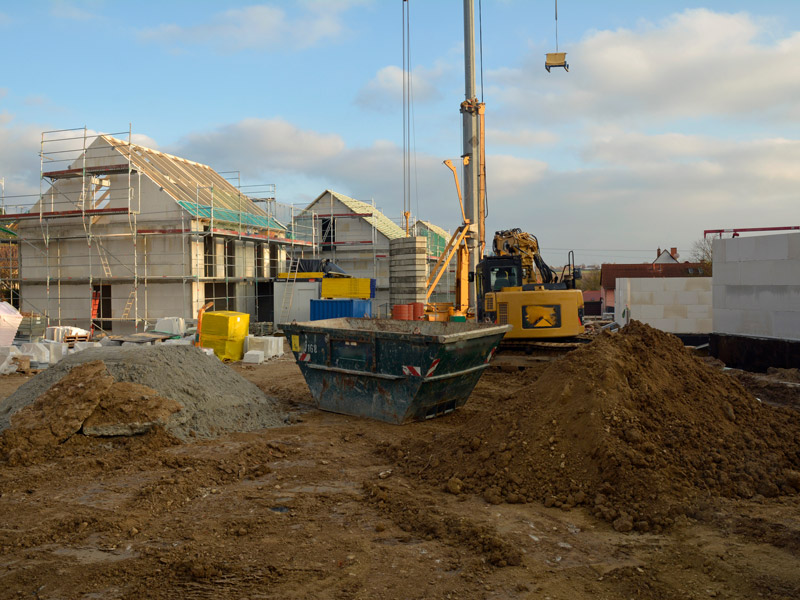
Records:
x=101, y=252
x=126, y=312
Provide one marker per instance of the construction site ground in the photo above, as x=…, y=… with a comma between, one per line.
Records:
x=319, y=509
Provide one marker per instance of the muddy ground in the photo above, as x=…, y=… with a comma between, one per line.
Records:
x=317, y=510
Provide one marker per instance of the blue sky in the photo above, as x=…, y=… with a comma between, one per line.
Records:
x=675, y=117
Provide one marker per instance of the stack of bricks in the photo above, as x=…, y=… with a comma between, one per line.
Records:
x=407, y=269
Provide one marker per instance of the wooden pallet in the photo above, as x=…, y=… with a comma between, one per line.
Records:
x=71, y=339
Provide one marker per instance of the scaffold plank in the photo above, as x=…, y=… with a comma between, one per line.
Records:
x=64, y=213
x=79, y=172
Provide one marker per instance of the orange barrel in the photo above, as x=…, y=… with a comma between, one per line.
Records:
x=401, y=312
x=418, y=309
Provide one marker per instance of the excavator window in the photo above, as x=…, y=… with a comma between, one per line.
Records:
x=503, y=277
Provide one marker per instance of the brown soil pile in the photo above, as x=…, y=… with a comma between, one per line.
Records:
x=790, y=375
x=632, y=426
x=89, y=401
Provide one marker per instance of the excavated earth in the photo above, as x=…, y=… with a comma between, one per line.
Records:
x=626, y=469
x=630, y=426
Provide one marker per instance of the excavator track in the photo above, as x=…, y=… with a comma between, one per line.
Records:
x=521, y=354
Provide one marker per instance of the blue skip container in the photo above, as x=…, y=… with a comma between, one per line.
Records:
x=394, y=371
x=337, y=308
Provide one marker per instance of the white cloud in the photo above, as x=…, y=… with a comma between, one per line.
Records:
x=384, y=92
x=255, y=146
x=272, y=151
x=144, y=140
x=633, y=190
x=773, y=159
x=694, y=64
x=258, y=27
x=520, y=137
x=19, y=161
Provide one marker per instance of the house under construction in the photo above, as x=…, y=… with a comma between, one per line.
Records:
x=356, y=236
x=123, y=235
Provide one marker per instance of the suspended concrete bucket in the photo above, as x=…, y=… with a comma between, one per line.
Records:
x=556, y=59
x=394, y=371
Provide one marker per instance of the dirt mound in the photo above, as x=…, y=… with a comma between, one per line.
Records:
x=87, y=400
x=137, y=382
x=631, y=426
x=790, y=375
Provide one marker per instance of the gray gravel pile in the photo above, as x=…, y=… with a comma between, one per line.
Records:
x=215, y=399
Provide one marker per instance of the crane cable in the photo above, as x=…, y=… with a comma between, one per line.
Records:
x=406, y=52
x=409, y=128
x=556, y=25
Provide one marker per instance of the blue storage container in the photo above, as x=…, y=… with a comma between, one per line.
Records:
x=336, y=308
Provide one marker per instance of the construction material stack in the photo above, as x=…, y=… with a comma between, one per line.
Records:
x=224, y=331
x=407, y=269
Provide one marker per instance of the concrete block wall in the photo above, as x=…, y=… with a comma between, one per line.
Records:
x=408, y=269
x=680, y=305
x=757, y=286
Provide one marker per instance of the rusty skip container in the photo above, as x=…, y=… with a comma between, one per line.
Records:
x=394, y=371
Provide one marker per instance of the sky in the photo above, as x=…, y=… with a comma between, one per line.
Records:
x=675, y=117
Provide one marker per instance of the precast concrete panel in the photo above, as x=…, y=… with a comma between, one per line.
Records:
x=665, y=303
x=757, y=287
x=746, y=248
x=794, y=246
x=771, y=247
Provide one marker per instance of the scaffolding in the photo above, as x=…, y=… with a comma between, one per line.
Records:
x=122, y=235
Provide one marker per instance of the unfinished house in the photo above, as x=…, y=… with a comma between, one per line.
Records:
x=355, y=235
x=123, y=235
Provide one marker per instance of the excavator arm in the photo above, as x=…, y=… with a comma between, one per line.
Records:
x=515, y=242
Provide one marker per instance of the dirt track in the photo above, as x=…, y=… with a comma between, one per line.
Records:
x=318, y=510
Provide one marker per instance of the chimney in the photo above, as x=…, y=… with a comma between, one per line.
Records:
x=674, y=253
x=658, y=252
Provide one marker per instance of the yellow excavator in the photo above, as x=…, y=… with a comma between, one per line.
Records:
x=517, y=287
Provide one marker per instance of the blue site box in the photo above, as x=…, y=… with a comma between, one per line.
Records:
x=336, y=308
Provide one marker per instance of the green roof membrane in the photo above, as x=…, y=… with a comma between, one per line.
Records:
x=230, y=216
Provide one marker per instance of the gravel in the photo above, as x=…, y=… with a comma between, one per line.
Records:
x=215, y=399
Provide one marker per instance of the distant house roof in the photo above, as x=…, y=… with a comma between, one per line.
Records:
x=437, y=237
x=435, y=229
x=591, y=296
x=665, y=257
x=372, y=215
x=609, y=273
